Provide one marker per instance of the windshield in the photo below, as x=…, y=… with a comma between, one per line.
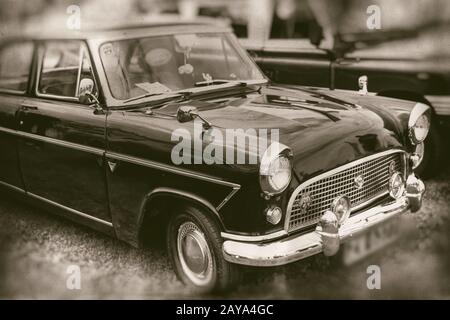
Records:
x=163, y=64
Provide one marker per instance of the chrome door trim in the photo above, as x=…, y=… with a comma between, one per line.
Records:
x=17, y=189
x=73, y=211
x=67, y=209
x=121, y=157
x=62, y=143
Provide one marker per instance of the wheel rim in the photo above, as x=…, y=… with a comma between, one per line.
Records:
x=420, y=151
x=194, y=254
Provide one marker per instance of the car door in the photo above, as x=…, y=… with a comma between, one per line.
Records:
x=62, y=142
x=15, y=64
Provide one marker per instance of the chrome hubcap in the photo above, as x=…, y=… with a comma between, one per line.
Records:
x=194, y=253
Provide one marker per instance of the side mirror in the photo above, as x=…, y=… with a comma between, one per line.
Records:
x=85, y=98
x=86, y=86
x=88, y=98
x=189, y=113
x=186, y=114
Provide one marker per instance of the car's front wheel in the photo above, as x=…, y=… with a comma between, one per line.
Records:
x=195, y=248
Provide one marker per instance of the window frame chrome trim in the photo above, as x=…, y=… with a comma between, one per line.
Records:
x=337, y=170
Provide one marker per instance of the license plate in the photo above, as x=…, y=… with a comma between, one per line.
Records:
x=372, y=240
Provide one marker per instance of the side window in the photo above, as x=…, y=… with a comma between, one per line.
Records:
x=15, y=64
x=66, y=70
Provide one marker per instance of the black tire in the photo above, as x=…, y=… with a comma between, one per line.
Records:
x=224, y=274
x=434, y=153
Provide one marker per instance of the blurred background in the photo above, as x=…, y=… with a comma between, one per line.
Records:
x=249, y=18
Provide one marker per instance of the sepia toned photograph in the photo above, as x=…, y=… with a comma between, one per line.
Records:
x=218, y=150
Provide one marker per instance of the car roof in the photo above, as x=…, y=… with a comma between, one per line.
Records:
x=126, y=30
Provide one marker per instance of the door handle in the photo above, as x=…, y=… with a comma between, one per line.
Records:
x=27, y=107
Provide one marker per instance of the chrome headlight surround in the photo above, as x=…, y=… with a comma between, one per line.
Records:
x=275, y=164
x=419, y=123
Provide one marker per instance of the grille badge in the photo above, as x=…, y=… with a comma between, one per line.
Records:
x=359, y=181
x=392, y=167
x=304, y=202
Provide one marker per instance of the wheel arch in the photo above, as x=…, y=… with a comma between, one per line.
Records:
x=159, y=204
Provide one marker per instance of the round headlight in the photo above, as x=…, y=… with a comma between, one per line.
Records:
x=419, y=130
x=419, y=123
x=273, y=215
x=396, y=185
x=341, y=207
x=275, y=171
x=279, y=173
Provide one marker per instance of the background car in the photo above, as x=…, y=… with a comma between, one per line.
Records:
x=332, y=44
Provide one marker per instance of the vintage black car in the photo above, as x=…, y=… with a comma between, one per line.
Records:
x=91, y=125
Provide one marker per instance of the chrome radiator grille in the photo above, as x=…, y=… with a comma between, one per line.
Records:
x=311, y=199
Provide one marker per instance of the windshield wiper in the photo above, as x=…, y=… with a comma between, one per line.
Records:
x=215, y=82
x=183, y=93
x=145, y=95
x=223, y=81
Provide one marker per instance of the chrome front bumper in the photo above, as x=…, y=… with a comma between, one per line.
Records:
x=323, y=239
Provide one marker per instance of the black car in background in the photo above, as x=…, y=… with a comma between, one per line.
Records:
x=406, y=64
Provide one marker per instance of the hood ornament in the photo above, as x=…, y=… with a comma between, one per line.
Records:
x=363, y=82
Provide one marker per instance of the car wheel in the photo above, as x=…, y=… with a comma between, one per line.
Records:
x=430, y=153
x=195, y=248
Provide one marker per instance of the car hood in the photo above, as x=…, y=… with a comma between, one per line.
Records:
x=324, y=129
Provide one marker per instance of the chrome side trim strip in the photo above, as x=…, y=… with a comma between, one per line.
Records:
x=169, y=168
x=237, y=237
x=227, y=198
x=180, y=193
x=120, y=157
x=334, y=171
x=73, y=211
x=61, y=143
x=7, y=185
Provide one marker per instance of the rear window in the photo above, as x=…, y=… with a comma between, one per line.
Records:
x=15, y=63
